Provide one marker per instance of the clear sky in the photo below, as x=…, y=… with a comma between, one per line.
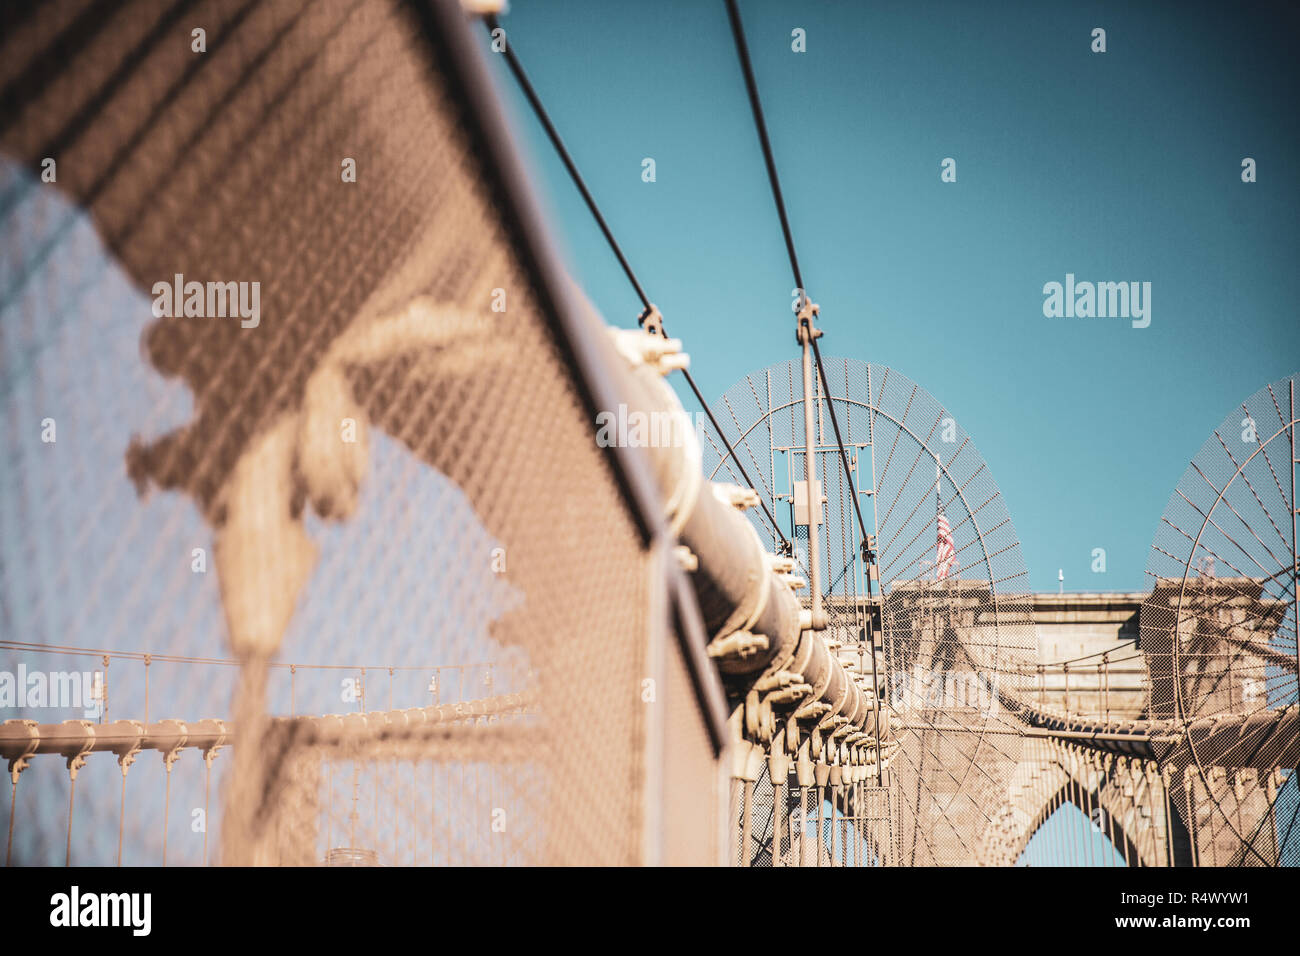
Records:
x=1116, y=166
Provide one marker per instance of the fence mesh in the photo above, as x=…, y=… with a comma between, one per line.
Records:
x=288, y=424
x=1219, y=635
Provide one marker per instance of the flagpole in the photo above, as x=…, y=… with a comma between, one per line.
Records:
x=936, y=513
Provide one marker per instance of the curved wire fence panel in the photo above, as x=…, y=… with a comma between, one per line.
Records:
x=958, y=639
x=1219, y=634
x=288, y=422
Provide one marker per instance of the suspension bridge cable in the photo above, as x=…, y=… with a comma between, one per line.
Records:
x=544, y=118
x=736, y=458
x=742, y=50
x=756, y=105
x=553, y=134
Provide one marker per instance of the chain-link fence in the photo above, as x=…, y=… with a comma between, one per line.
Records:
x=288, y=385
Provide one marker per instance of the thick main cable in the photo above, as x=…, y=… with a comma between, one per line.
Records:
x=553, y=134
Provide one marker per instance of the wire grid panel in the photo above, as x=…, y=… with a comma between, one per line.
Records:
x=1219, y=629
x=853, y=830
x=762, y=825
x=691, y=791
x=370, y=458
x=467, y=799
x=956, y=649
x=873, y=819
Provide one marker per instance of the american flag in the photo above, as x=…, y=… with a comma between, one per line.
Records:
x=945, y=554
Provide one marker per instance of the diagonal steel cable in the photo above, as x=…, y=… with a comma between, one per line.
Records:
x=530, y=93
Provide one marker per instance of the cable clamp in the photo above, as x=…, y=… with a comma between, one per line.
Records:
x=740, y=645
x=652, y=321
x=778, y=680
x=736, y=496
x=641, y=348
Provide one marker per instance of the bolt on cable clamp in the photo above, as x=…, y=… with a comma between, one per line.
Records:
x=780, y=563
x=812, y=709
x=789, y=695
x=641, y=348
x=736, y=496
x=738, y=645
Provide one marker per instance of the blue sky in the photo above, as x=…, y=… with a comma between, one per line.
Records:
x=1122, y=166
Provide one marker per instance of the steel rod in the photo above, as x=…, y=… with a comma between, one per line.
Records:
x=810, y=478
